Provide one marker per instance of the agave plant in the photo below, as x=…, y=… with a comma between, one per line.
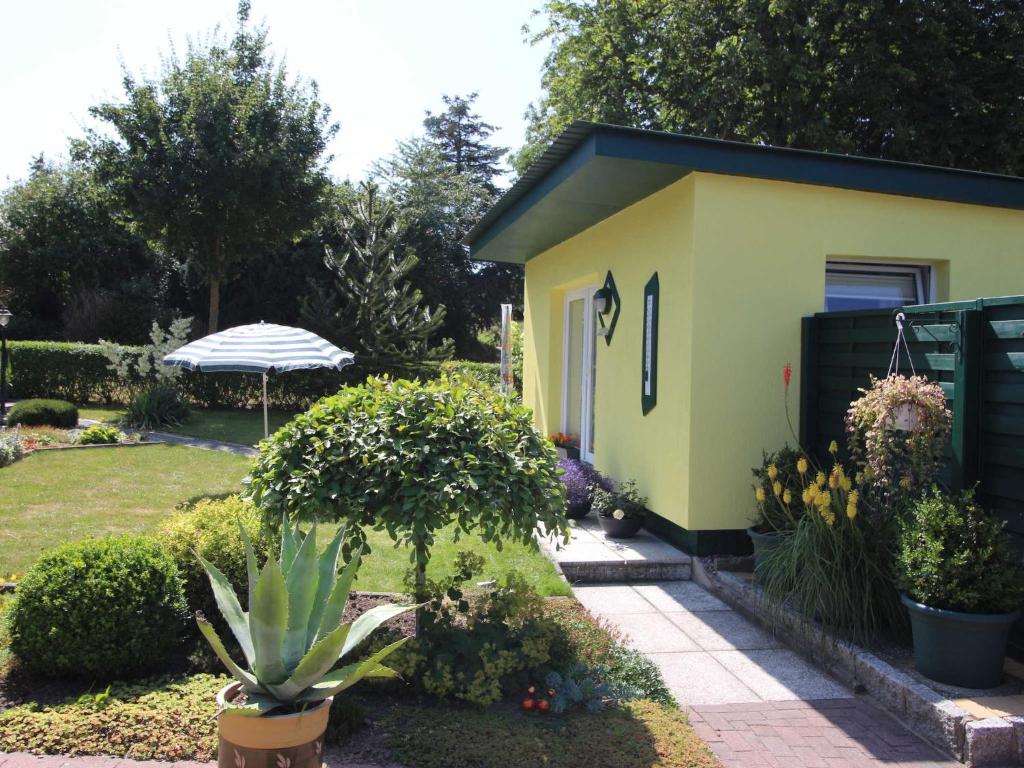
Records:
x=293, y=634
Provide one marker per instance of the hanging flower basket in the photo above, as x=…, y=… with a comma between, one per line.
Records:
x=906, y=417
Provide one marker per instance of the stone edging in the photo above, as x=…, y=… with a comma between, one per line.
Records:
x=98, y=445
x=989, y=742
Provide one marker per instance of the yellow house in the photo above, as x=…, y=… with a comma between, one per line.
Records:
x=666, y=277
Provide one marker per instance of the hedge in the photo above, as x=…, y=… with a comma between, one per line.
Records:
x=80, y=373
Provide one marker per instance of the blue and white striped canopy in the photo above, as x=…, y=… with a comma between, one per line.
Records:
x=259, y=348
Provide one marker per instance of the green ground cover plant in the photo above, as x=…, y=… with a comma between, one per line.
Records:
x=100, y=434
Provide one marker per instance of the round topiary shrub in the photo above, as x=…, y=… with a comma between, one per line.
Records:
x=99, y=609
x=43, y=413
x=210, y=528
x=413, y=458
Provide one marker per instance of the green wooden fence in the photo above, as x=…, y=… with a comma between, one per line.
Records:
x=975, y=349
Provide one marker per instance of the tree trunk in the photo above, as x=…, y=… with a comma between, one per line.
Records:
x=214, y=319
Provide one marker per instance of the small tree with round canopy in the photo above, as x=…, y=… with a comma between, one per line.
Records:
x=412, y=458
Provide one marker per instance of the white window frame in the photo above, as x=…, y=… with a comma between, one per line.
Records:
x=924, y=275
x=589, y=362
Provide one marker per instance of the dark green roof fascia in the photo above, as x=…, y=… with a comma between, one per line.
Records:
x=583, y=141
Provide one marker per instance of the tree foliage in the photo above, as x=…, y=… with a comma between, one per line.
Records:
x=220, y=157
x=443, y=182
x=413, y=458
x=63, y=245
x=370, y=307
x=916, y=80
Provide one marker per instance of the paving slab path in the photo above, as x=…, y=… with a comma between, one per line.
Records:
x=755, y=702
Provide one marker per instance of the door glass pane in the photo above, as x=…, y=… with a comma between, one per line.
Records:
x=574, y=374
x=846, y=289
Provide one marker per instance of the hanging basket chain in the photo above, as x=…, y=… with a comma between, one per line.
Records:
x=894, y=363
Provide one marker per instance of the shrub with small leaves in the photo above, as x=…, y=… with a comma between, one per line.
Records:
x=100, y=434
x=579, y=479
x=102, y=609
x=209, y=528
x=11, y=449
x=413, y=458
x=620, y=497
x=955, y=556
x=38, y=413
x=477, y=647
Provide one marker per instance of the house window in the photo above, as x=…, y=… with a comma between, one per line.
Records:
x=849, y=285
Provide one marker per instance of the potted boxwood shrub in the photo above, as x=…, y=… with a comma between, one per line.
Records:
x=620, y=509
x=579, y=479
x=962, y=586
x=777, y=483
x=275, y=713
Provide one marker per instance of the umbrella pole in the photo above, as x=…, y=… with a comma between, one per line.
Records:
x=266, y=428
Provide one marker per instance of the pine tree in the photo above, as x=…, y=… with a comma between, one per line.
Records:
x=463, y=139
x=371, y=308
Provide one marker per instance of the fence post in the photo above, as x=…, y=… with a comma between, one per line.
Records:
x=809, y=384
x=965, y=464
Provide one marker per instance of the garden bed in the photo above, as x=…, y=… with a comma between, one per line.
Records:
x=938, y=713
x=384, y=723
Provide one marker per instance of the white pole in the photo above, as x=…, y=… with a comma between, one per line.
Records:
x=506, y=348
x=266, y=428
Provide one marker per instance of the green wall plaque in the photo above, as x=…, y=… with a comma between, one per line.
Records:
x=649, y=347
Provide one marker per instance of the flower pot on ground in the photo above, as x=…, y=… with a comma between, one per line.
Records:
x=579, y=479
x=292, y=636
x=620, y=509
x=962, y=587
x=777, y=483
x=964, y=649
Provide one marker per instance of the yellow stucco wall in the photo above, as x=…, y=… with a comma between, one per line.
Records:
x=740, y=262
x=654, y=235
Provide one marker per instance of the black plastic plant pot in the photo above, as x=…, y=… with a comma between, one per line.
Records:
x=577, y=511
x=572, y=453
x=626, y=528
x=764, y=545
x=963, y=649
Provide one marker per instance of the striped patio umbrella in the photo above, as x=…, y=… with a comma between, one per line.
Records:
x=259, y=348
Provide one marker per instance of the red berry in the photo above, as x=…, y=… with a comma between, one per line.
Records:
x=543, y=705
x=529, y=705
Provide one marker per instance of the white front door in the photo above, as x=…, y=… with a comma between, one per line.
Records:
x=578, y=370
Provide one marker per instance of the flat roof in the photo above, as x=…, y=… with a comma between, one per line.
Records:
x=593, y=170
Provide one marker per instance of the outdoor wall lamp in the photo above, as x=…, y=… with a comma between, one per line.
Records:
x=606, y=299
x=5, y=317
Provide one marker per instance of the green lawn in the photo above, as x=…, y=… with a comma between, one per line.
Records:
x=232, y=426
x=55, y=496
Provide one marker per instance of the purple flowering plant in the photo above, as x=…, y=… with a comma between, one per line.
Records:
x=579, y=480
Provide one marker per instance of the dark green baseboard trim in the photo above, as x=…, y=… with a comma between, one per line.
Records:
x=726, y=541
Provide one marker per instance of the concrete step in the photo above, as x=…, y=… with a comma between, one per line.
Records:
x=591, y=558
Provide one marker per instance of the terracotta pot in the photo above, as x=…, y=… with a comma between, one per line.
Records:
x=270, y=741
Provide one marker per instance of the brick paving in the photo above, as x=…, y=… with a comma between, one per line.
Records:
x=825, y=733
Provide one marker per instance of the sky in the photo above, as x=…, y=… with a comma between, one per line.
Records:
x=379, y=64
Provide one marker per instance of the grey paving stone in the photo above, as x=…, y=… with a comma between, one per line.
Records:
x=670, y=597
x=780, y=675
x=587, y=552
x=608, y=600
x=697, y=678
x=652, y=633
x=722, y=631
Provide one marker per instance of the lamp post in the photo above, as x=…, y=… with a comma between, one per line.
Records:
x=5, y=318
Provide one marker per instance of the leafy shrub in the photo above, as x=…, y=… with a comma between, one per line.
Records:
x=210, y=529
x=51, y=413
x=100, y=434
x=955, y=556
x=413, y=458
x=159, y=405
x=10, y=448
x=579, y=479
x=485, y=373
x=99, y=608
x=579, y=686
x=624, y=498
x=899, y=465
x=777, y=479
x=476, y=648
x=75, y=372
